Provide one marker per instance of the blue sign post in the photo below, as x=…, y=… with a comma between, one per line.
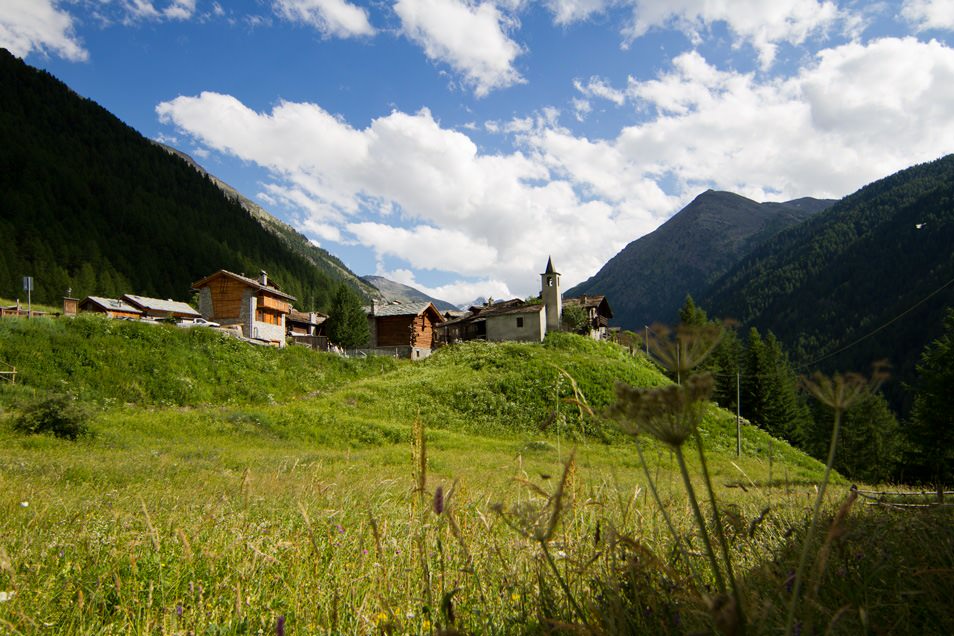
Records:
x=28, y=288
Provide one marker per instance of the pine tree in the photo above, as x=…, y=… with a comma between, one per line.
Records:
x=869, y=446
x=770, y=389
x=347, y=320
x=691, y=314
x=930, y=434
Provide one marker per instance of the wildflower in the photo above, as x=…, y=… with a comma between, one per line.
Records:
x=280, y=626
x=24, y=504
x=179, y=610
x=686, y=347
x=514, y=597
x=842, y=390
x=339, y=528
x=670, y=414
x=380, y=618
x=7, y=596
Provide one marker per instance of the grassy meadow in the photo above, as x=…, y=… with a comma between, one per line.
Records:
x=230, y=489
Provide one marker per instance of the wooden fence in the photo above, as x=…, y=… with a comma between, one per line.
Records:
x=8, y=373
x=923, y=499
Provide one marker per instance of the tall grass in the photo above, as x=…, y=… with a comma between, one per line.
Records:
x=115, y=362
x=368, y=507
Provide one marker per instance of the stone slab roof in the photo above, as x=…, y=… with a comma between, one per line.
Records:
x=157, y=304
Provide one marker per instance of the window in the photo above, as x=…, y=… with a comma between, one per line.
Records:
x=549, y=281
x=520, y=323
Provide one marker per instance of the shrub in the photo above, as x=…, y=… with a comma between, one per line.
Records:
x=58, y=414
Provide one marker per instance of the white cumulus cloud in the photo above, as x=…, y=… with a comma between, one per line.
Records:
x=929, y=14
x=858, y=113
x=330, y=17
x=471, y=38
x=570, y=11
x=760, y=23
x=415, y=191
x=38, y=25
x=147, y=10
x=429, y=197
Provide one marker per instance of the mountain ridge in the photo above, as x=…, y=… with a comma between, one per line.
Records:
x=394, y=291
x=867, y=279
x=647, y=281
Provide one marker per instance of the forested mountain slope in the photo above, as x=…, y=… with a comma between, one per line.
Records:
x=89, y=204
x=881, y=260
x=293, y=239
x=649, y=279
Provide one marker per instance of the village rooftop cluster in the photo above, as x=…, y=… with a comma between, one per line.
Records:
x=256, y=310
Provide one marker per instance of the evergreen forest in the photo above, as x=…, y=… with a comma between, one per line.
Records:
x=89, y=205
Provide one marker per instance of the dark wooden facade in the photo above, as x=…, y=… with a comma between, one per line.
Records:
x=412, y=326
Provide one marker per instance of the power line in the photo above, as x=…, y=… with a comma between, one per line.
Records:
x=874, y=331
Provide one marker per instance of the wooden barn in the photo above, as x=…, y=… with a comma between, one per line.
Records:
x=112, y=307
x=255, y=306
x=409, y=326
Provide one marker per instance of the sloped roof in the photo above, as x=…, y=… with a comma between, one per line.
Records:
x=305, y=317
x=110, y=304
x=403, y=309
x=157, y=304
x=250, y=282
x=502, y=308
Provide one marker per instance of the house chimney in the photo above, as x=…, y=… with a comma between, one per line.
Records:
x=263, y=278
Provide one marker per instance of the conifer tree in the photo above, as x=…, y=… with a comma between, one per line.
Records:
x=930, y=433
x=769, y=390
x=691, y=314
x=347, y=320
x=869, y=446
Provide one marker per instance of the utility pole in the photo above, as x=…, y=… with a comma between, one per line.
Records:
x=646, y=339
x=738, y=413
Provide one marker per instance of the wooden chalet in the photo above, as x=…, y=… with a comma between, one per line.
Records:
x=408, y=326
x=255, y=306
x=597, y=310
x=158, y=308
x=307, y=329
x=112, y=307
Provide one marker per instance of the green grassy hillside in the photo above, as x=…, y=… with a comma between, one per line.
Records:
x=377, y=497
x=115, y=362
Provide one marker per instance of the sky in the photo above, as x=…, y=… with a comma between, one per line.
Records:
x=455, y=145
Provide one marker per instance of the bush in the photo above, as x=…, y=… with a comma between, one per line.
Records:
x=61, y=415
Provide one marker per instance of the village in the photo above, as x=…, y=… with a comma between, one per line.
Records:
x=257, y=311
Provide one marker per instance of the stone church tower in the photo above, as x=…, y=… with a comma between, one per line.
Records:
x=552, y=298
